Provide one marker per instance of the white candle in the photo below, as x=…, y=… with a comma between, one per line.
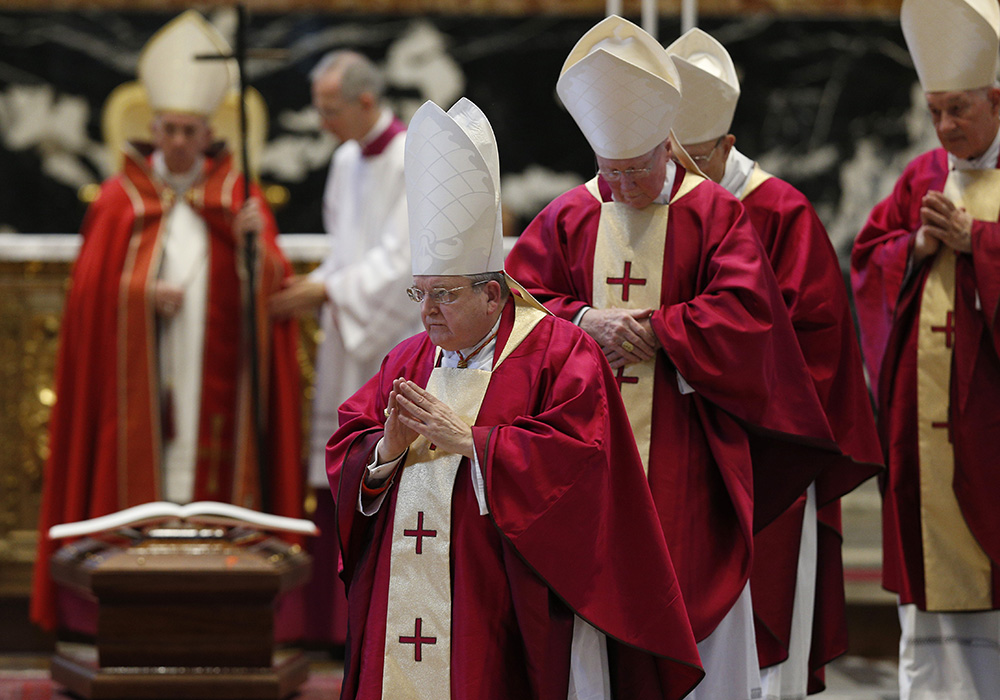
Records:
x=689, y=15
x=650, y=17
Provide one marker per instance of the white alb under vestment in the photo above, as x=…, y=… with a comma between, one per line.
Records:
x=729, y=656
x=948, y=656
x=789, y=679
x=366, y=274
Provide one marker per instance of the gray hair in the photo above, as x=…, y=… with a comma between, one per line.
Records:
x=483, y=277
x=358, y=74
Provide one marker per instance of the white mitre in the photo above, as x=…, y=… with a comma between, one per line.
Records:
x=954, y=43
x=175, y=80
x=621, y=89
x=452, y=169
x=711, y=87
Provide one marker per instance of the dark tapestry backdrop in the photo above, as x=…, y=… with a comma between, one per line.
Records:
x=831, y=106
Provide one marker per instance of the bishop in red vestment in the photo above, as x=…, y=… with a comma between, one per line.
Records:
x=566, y=500
x=663, y=268
x=888, y=284
x=925, y=275
x=798, y=576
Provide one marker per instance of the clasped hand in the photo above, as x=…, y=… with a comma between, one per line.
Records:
x=625, y=335
x=413, y=411
x=942, y=222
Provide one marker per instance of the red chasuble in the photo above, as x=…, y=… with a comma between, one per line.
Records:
x=571, y=530
x=813, y=288
x=105, y=431
x=753, y=425
x=888, y=306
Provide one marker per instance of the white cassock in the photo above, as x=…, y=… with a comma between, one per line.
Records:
x=366, y=274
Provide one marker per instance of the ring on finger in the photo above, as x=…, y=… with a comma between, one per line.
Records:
x=627, y=346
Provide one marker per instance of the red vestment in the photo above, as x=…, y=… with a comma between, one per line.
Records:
x=888, y=296
x=729, y=457
x=105, y=430
x=566, y=497
x=812, y=286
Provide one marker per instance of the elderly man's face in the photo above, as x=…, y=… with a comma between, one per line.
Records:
x=464, y=322
x=345, y=119
x=636, y=182
x=966, y=122
x=181, y=137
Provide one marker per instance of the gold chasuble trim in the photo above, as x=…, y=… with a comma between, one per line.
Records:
x=628, y=272
x=758, y=176
x=417, y=662
x=957, y=573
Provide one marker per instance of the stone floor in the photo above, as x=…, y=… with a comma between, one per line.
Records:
x=859, y=678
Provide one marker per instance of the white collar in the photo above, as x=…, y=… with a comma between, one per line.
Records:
x=738, y=171
x=381, y=124
x=668, y=183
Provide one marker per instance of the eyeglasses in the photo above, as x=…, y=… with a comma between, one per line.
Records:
x=438, y=295
x=708, y=156
x=631, y=173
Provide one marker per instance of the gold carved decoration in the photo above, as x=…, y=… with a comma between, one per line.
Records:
x=31, y=299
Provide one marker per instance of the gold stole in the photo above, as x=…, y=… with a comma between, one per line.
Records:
x=758, y=177
x=956, y=570
x=628, y=272
x=418, y=620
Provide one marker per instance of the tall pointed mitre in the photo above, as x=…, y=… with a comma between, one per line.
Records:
x=452, y=169
x=954, y=43
x=174, y=78
x=621, y=89
x=711, y=87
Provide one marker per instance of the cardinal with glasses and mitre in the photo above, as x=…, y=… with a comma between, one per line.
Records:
x=664, y=270
x=153, y=374
x=495, y=523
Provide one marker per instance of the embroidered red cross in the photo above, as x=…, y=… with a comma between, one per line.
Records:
x=948, y=329
x=416, y=640
x=420, y=533
x=626, y=279
x=622, y=379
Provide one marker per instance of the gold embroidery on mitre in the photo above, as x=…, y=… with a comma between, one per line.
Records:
x=957, y=573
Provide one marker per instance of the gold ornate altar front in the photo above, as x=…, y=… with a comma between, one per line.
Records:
x=31, y=300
